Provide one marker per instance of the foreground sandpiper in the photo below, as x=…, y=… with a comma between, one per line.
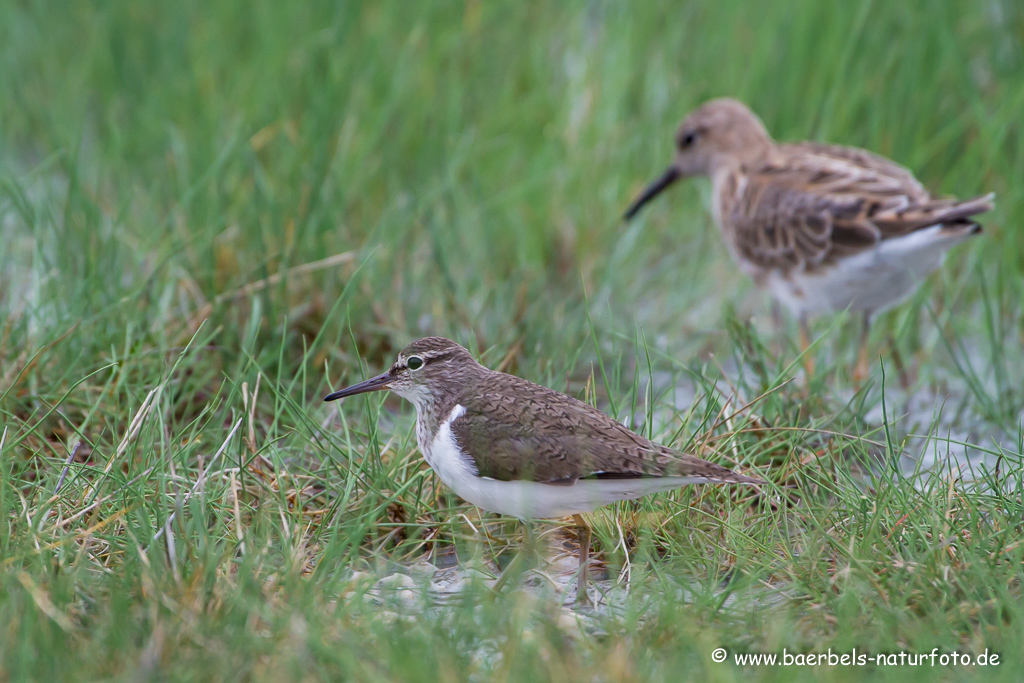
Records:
x=821, y=227
x=516, y=448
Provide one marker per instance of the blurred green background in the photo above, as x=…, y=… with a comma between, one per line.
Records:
x=474, y=157
x=194, y=194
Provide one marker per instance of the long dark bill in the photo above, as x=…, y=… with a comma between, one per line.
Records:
x=373, y=384
x=651, y=191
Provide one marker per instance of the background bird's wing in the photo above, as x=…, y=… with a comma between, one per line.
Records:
x=522, y=431
x=812, y=203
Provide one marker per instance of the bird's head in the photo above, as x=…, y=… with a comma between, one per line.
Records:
x=717, y=133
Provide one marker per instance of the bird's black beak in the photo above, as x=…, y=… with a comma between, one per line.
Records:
x=373, y=384
x=651, y=191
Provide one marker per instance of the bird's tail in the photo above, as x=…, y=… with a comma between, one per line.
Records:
x=953, y=214
x=968, y=207
x=691, y=466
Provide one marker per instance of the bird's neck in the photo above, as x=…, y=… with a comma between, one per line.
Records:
x=432, y=410
x=754, y=152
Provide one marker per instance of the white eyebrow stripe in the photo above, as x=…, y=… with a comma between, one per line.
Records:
x=433, y=354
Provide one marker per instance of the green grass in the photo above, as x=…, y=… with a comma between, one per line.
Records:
x=199, y=199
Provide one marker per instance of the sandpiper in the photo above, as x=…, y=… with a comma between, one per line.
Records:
x=516, y=448
x=821, y=227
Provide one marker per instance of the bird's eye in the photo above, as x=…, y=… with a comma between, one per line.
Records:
x=687, y=139
x=414, y=362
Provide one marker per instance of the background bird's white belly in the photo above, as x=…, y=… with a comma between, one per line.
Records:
x=870, y=281
x=529, y=499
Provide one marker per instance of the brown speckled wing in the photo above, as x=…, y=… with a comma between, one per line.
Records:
x=516, y=430
x=808, y=204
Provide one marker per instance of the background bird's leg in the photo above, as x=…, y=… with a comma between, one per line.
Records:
x=805, y=344
x=901, y=368
x=585, y=536
x=860, y=371
x=779, y=326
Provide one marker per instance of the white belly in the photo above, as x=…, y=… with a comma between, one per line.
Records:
x=870, y=281
x=528, y=499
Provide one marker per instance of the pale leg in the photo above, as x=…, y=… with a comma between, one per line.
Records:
x=805, y=343
x=860, y=372
x=512, y=569
x=585, y=537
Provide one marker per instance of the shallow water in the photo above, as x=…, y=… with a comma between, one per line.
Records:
x=445, y=578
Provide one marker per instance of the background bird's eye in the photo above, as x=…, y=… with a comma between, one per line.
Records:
x=687, y=139
x=414, y=362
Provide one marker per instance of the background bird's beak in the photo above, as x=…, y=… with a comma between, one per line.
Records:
x=653, y=190
x=373, y=384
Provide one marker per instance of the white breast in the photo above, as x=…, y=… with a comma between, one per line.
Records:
x=528, y=499
x=444, y=455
